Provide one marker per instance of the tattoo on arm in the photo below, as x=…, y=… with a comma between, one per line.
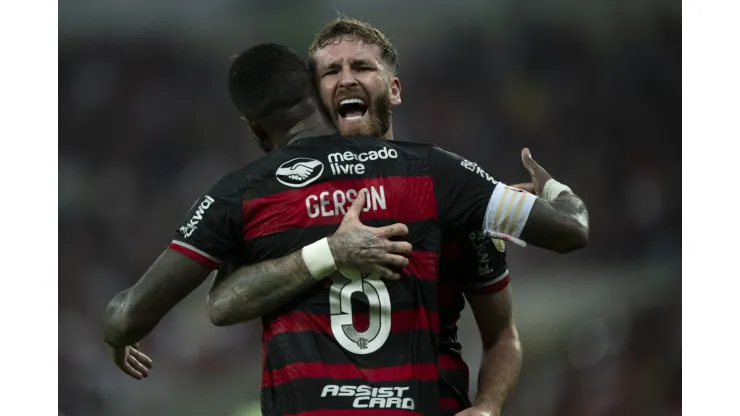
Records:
x=560, y=225
x=255, y=290
x=571, y=205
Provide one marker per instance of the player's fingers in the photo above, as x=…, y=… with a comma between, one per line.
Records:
x=130, y=371
x=386, y=272
x=394, y=230
x=534, y=168
x=398, y=247
x=141, y=357
x=136, y=365
x=135, y=350
x=528, y=162
x=354, y=211
x=538, y=173
x=395, y=260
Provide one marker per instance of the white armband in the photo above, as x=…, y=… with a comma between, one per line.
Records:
x=553, y=188
x=507, y=212
x=318, y=259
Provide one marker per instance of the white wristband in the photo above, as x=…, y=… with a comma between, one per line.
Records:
x=318, y=259
x=553, y=188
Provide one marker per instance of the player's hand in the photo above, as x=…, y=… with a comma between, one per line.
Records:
x=478, y=411
x=368, y=249
x=538, y=174
x=132, y=361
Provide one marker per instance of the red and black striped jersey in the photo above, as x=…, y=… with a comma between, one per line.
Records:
x=354, y=342
x=472, y=264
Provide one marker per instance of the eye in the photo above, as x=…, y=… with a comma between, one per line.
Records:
x=364, y=69
x=329, y=72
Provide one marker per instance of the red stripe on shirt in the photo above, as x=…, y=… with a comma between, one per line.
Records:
x=296, y=321
x=326, y=203
x=492, y=288
x=205, y=261
x=452, y=362
x=296, y=371
x=424, y=264
x=447, y=403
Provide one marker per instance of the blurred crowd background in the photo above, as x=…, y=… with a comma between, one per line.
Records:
x=592, y=88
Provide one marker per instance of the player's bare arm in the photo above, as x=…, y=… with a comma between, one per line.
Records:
x=210, y=231
x=555, y=219
x=559, y=218
x=255, y=290
x=560, y=225
x=268, y=285
x=134, y=312
x=502, y=351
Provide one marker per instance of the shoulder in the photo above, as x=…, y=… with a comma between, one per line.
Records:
x=416, y=147
x=258, y=169
x=430, y=151
x=282, y=169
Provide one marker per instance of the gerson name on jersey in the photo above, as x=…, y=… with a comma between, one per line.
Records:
x=336, y=203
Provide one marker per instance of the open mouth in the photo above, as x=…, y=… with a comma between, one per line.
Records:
x=352, y=109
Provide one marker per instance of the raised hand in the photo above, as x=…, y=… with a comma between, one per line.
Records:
x=538, y=174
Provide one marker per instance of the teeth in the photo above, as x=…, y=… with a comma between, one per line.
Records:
x=351, y=101
x=353, y=118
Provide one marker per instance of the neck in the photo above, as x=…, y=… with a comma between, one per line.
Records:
x=305, y=120
x=389, y=134
x=317, y=124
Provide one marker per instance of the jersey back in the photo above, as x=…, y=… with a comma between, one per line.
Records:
x=354, y=342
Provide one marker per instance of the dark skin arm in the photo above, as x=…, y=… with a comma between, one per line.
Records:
x=502, y=351
x=560, y=225
x=133, y=313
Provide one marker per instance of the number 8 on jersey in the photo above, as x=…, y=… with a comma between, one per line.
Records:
x=346, y=283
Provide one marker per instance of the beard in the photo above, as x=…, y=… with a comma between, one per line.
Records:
x=375, y=122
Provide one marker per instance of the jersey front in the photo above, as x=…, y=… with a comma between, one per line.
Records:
x=354, y=342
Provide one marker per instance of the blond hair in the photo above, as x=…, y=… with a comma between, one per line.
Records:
x=346, y=27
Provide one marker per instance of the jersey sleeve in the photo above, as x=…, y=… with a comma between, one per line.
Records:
x=468, y=198
x=484, y=262
x=211, y=230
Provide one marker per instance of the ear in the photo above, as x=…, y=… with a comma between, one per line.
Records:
x=395, y=91
x=260, y=135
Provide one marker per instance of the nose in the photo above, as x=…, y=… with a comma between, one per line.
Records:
x=346, y=78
